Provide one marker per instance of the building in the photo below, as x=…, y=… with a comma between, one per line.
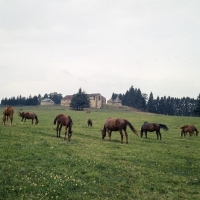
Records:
x=47, y=102
x=116, y=102
x=96, y=100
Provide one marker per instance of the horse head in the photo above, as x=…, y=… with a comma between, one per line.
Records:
x=20, y=114
x=103, y=133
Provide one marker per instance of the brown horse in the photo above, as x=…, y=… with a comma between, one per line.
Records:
x=89, y=122
x=64, y=120
x=189, y=128
x=7, y=112
x=151, y=127
x=28, y=115
x=87, y=111
x=117, y=124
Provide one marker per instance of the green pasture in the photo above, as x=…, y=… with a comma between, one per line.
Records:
x=35, y=164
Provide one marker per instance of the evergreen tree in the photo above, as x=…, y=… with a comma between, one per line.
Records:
x=80, y=100
x=150, y=104
x=114, y=96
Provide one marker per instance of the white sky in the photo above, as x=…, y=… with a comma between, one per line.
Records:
x=100, y=46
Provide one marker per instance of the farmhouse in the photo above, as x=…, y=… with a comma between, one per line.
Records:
x=116, y=102
x=47, y=102
x=96, y=100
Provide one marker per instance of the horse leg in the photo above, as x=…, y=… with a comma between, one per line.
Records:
x=146, y=134
x=157, y=134
x=60, y=129
x=11, y=119
x=57, y=127
x=160, y=135
x=121, y=133
x=126, y=134
x=109, y=134
x=65, y=132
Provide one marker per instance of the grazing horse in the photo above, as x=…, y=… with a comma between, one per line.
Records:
x=117, y=124
x=87, y=111
x=189, y=128
x=8, y=112
x=151, y=127
x=64, y=120
x=28, y=115
x=89, y=122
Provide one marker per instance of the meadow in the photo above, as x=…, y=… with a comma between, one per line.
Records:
x=35, y=164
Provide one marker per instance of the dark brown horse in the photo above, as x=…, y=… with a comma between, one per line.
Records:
x=64, y=120
x=28, y=115
x=89, y=122
x=8, y=112
x=117, y=124
x=151, y=127
x=188, y=129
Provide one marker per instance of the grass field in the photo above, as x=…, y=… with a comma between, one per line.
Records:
x=35, y=164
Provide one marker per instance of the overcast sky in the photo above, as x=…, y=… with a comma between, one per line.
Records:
x=100, y=46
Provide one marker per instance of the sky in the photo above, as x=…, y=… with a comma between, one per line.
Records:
x=99, y=46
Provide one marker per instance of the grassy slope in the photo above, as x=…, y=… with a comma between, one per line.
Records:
x=37, y=165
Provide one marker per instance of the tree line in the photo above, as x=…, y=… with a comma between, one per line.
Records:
x=31, y=101
x=133, y=97
x=184, y=106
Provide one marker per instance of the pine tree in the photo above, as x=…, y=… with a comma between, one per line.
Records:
x=150, y=103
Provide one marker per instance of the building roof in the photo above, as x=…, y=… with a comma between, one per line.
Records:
x=47, y=100
x=69, y=97
x=117, y=100
x=110, y=100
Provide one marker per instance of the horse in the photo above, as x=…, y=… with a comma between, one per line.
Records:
x=89, y=122
x=151, y=127
x=117, y=124
x=28, y=115
x=64, y=120
x=8, y=112
x=189, y=128
x=185, y=130
x=87, y=111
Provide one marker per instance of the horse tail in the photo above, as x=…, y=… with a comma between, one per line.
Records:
x=164, y=127
x=54, y=122
x=131, y=126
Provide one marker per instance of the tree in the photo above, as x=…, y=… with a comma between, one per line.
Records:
x=55, y=97
x=150, y=103
x=197, y=108
x=80, y=100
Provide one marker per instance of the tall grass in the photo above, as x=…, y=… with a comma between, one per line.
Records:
x=35, y=164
